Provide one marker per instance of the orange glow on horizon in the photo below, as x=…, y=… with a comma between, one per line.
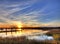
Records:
x=19, y=25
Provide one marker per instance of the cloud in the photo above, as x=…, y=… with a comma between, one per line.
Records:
x=30, y=12
x=6, y=12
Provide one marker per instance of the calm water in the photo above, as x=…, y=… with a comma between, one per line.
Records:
x=29, y=33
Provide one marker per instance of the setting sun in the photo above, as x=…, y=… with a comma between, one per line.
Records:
x=18, y=25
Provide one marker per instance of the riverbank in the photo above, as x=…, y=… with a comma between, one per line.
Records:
x=24, y=40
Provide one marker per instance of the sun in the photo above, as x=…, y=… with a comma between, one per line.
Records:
x=18, y=25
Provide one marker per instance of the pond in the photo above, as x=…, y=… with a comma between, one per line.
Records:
x=29, y=33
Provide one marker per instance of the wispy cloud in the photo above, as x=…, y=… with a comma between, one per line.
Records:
x=30, y=12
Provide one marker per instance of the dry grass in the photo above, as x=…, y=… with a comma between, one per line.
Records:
x=23, y=40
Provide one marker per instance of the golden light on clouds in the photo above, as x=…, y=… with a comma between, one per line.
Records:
x=19, y=24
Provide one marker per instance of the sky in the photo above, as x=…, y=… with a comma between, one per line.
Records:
x=30, y=12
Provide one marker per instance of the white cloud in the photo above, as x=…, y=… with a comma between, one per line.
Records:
x=29, y=18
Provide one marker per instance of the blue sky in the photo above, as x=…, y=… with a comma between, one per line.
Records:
x=31, y=12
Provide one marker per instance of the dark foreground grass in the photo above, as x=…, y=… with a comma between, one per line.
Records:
x=23, y=40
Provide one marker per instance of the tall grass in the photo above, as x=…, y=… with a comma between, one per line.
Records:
x=23, y=40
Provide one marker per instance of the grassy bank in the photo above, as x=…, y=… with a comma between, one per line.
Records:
x=23, y=40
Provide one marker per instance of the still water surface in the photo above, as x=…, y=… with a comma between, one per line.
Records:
x=30, y=33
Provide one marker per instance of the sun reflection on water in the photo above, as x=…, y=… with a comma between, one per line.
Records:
x=22, y=32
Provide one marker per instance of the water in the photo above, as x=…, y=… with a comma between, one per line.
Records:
x=29, y=33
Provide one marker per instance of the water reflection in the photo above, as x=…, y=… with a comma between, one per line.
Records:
x=40, y=37
x=25, y=32
x=29, y=33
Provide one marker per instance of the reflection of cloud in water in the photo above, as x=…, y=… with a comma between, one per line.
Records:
x=41, y=37
x=22, y=33
x=30, y=34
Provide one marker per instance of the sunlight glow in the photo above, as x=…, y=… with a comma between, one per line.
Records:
x=18, y=25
